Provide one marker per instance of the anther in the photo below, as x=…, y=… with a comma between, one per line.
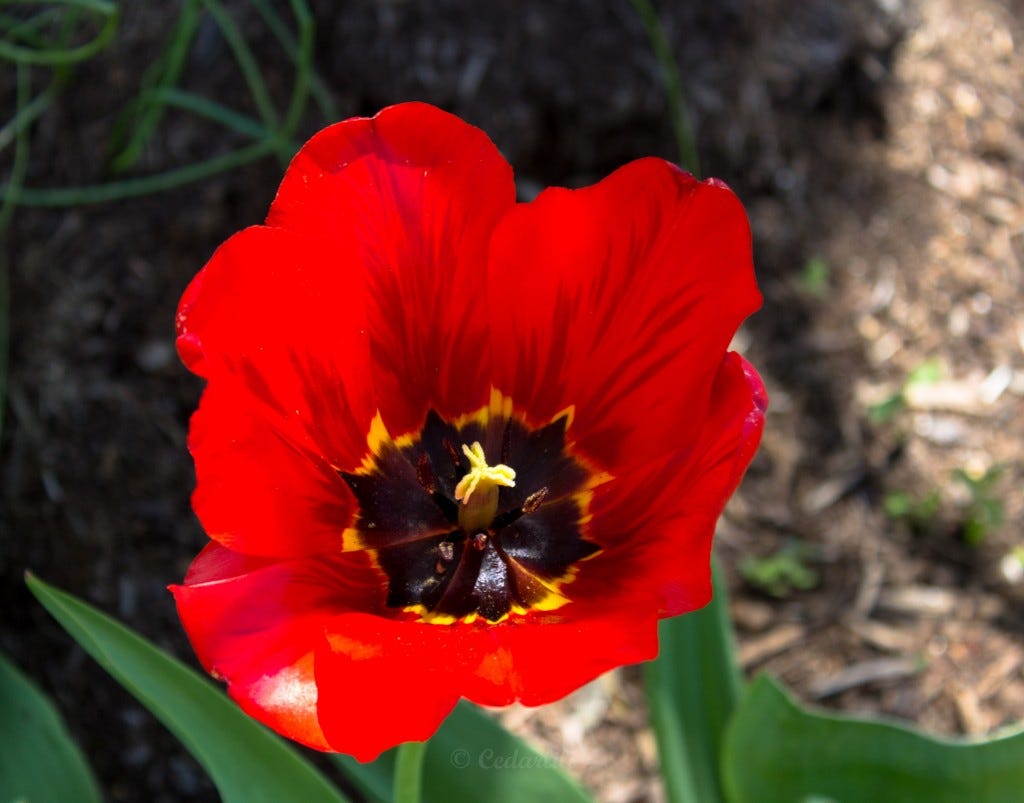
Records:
x=425, y=474
x=535, y=500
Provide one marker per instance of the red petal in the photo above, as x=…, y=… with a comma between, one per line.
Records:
x=268, y=316
x=258, y=625
x=384, y=682
x=544, y=658
x=407, y=200
x=258, y=492
x=304, y=650
x=656, y=522
x=621, y=299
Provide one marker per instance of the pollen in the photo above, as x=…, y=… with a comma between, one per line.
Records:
x=480, y=472
x=478, y=489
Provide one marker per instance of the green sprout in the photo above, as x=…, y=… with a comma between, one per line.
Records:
x=919, y=512
x=983, y=511
x=927, y=373
x=813, y=279
x=782, y=572
x=886, y=410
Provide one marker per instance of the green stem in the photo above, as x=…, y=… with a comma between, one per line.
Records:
x=681, y=125
x=211, y=110
x=409, y=772
x=21, y=148
x=163, y=74
x=27, y=114
x=144, y=185
x=54, y=57
x=250, y=71
x=28, y=30
x=319, y=90
x=303, y=70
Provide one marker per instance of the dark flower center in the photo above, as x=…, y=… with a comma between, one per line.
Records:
x=504, y=548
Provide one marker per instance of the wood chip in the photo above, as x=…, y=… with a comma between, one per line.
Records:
x=918, y=600
x=870, y=582
x=998, y=673
x=771, y=643
x=968, y=708
x=946, y=395
x=864, y=673
x=881, y=636
x=827, y=493
x=752, y=615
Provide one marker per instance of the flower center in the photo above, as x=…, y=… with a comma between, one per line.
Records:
x=459, y=538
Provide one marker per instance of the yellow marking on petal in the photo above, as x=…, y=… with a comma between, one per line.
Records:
x=357, y=650
x=549, y=602
x=569, y=413
x=352, y=540
x=376, y=438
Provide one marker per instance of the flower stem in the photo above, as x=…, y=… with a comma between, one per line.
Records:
x=682, y=126
x=409, y=772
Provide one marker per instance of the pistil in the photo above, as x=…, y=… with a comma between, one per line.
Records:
x=478, y=489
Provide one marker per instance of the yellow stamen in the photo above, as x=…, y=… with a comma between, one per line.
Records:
x=478, y=489
x=479, y=472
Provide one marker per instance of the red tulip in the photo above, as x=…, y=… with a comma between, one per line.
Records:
x=455, y=446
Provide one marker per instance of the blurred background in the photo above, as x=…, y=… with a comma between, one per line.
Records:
x=875, y=552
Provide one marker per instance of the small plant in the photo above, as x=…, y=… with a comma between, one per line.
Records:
x=886, y=410
x=927, y=373
x=782, y=572
x=983, y=511
x=813, y=279
x=919, y=512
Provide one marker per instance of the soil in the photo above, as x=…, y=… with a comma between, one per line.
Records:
x=879, y=150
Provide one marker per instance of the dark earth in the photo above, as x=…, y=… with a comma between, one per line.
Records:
x=879, y=149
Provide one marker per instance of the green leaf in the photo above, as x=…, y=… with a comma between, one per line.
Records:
x=814, y=277
x=247, y=762
x=776, y=752
x=472, y=758
x=38, y=759
x=692, y=688
x=884, y=411
x=920, y=513
x=897, y=504
x=408, y=777
x=782, y=572
x=927, y=373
